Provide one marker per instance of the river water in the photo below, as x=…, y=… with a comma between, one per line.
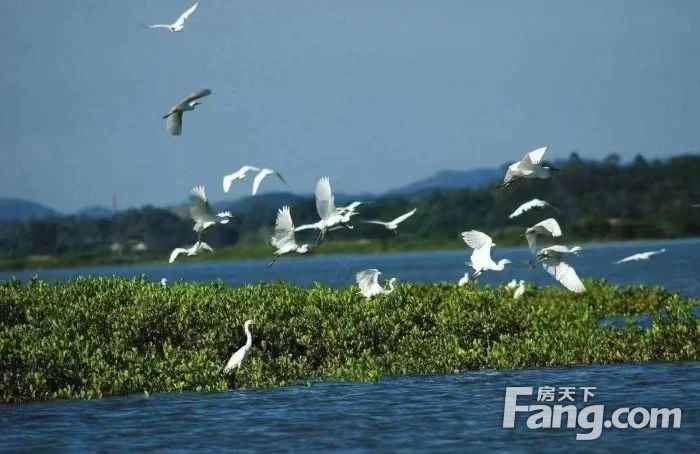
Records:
x=445, y=413
x=676, y=270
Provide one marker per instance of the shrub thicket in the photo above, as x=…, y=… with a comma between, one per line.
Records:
x=103, y=336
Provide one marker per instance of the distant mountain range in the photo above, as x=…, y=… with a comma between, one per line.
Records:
x=13, y=210
x=451, y=179
x=17, y=210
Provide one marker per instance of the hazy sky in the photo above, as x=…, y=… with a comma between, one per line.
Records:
x=373, y=93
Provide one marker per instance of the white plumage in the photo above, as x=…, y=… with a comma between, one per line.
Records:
x=261, y=176
x=640, y=256
x=552, y=259
x=174, y=115
x=238, y=358
x=195, y=249
x=527, y=206
x=528, y=167
x=368, y=281
x=331, y=218
x=283, y=238
x=179, y=24
x=202, y=212
x=394, y=224
x=237, y=175
x=548, y=227
x=481, y=259
x=464, y=280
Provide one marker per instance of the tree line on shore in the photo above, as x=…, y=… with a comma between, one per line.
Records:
x=597, y=200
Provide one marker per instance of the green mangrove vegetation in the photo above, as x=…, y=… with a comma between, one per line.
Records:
x=93, y=337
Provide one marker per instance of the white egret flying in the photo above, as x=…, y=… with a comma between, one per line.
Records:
x=331, y=217
x=261, y=176
x=393, y=224
x=174, y=116
x=481, y=260
x=527, y=168
x=552, y=259
x=237, y=175
x=179, y=24
x=283, y=237
x=238, y=358
x=368, y=281
x=202, y=212
x=527, y=206
x=548, y=227
x=464, y=280
x=640, y=256
x=195, y=249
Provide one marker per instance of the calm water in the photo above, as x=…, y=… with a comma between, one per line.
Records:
x=425, y=413
x=677, y=269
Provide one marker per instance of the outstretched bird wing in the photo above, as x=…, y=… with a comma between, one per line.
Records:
x=258, y=179
x=476, y=239
x=200, y=210
x=194, y=96
x=177, y=251
x=565, y=274
x=534, y=157
x=284, y=228
x=325, y=203
x=367, y=279
x=550, y=225
x=180, y=22
x=534, y=203
x=174, y=123
x=403, y=217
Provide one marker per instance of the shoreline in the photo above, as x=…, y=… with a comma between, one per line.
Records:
x=258, y=252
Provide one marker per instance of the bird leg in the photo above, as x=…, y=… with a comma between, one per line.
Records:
x=272, y=262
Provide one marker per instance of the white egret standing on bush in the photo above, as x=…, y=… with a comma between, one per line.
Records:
x=237, y=175
x=261, y=176
x=238, y=358
x=464, y=280
x=548, y=227
x=640, y=256
x=393, y=224
x=195, y=249
x=527, y=206
x=331, y=217
x=527, y=168
x=368, y=281
x=202, y=212
x=179, y=24
x=481, y=260
x=552, y=259
x=174, y=116
x=283, y=237
x=520, y=290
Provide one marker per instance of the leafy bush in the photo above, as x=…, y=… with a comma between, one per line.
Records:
x=93, y=337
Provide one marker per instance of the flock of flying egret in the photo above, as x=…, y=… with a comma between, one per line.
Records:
x=554, y=259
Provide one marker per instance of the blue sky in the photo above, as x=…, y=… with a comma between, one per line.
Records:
x=372, y=93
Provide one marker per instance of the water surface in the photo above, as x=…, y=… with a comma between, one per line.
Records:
x=434, y=412
x=676, y=270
